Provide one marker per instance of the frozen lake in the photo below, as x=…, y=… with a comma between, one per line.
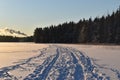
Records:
x=106, y=58
x=12, y=52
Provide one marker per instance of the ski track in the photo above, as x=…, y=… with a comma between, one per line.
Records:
x=57, y=63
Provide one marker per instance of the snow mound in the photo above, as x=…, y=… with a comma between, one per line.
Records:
x=57, y=63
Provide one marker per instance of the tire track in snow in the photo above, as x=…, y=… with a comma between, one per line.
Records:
x=43, y=70
x=59, y=63
x=24, y=65
x=66, y=67
x=64, y=60
x=78, y=75
x=90, y=70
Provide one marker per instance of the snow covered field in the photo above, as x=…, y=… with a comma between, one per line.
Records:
x=29, y=61
x=12, y=52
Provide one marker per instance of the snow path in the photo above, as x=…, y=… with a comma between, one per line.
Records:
x=57, y=63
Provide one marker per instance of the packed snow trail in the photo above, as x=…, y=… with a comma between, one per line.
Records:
x=57, y=63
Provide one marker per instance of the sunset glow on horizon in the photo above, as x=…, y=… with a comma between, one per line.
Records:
x=26, y=15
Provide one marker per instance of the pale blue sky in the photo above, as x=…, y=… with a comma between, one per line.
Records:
x=26, y=15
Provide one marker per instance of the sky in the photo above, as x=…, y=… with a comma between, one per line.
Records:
x=26, y=15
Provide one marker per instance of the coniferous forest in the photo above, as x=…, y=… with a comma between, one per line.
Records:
x=105, y=29
x=16, y=39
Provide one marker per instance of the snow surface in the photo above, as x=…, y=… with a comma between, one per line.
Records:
x=59, y=62
x=13, y=52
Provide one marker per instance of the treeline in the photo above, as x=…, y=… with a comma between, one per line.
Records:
x=16, y=39
x=100, y=30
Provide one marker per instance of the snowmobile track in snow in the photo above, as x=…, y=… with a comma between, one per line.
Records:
x=45, y=68
x=55, y=63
